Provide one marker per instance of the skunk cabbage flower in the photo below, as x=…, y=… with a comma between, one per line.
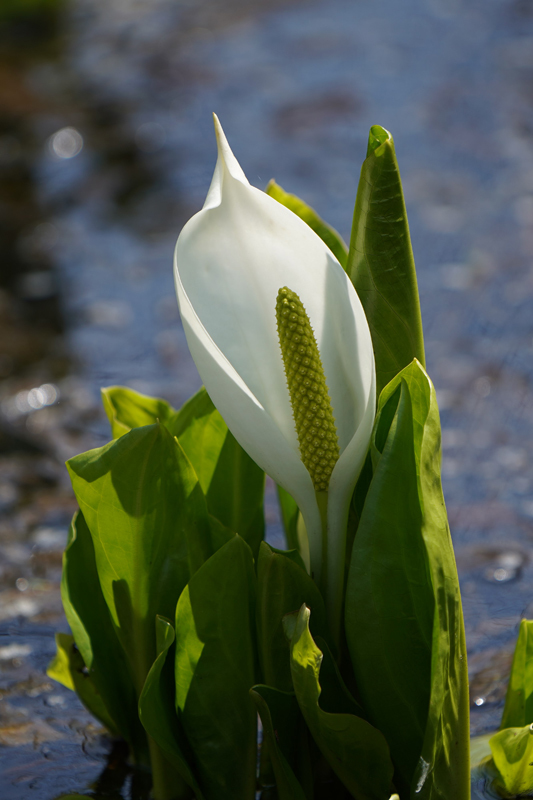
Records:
x=282, y=344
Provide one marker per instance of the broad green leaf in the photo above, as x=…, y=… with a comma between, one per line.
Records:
x=281, y=720
x=403, y=620
x=518, y=710
x=328, y=234
x=480, y=749
x=380, y=262
x=282, y=587
x=127, y=409
x=147, y=516
x=95, y=636
x=69, y=669
x=233, y=484
x=215, y=669
x=335, y=697
x=60, y=667
x=158, y=714
x=512, y=752
x=356, y=751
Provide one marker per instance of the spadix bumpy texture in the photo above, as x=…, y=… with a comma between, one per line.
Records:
x=311, y=404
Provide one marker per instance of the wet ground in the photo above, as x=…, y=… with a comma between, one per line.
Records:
x=106, y=148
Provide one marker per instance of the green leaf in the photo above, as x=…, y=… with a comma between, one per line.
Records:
x=335, y=697
x=289, y=516
x=281, y=720
x=512, y=751
x=282, y=586
x=480, y=749
x=356, y=751
x=158, y=714
x=233, y=484
x=215, y=669
x=127, y=409
x=68, y=668
x=328, y=234
x=95, y=636
x=380, y=262
x=518, y=710
x=404, y=623
x=150, y=529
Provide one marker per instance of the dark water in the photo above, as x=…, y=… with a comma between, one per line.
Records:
x=106, y=148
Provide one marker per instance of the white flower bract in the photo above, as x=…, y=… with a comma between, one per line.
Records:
x=231, y=259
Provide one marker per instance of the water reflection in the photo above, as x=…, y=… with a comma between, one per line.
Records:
x=117, y=780
x=66, y=143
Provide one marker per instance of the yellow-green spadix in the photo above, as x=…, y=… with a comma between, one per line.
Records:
x=231, y=260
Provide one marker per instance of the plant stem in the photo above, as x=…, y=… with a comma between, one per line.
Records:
x=322, y=502
x=333, y=566
x=167, y=783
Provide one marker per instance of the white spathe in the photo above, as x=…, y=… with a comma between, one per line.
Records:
x=231, y=259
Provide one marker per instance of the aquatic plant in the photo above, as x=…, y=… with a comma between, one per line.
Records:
x=186, y=625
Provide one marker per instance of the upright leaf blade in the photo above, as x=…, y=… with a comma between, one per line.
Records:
x=215, y=669
x=158, y=714
x=404, y=622
x=68, y=668
x=329, y=235
x=150, y=529
x=127, y=409
x=518, y=710
x=380, y=261
x=356, y=751
x=95, y=636
x=233, y=484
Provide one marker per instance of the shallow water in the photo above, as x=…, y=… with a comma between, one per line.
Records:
x=106, y=148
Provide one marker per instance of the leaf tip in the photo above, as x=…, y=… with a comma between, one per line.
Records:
x=376, y=137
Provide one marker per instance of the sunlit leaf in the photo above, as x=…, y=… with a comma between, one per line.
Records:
x=232, y=483
x=380, y=261
x=96, y=638
x=328, y=234
x=150, y=529
x=512, y=751
x=127, y=409
x=518, y=710
x=407, y=642
x=69, y=669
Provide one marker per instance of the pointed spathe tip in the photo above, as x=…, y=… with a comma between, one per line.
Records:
x=225, y=153
x=219, y=133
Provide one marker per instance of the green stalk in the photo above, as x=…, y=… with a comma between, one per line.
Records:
x=333, y=566
x=167, y=783
x=332, y=581
x=322, y=502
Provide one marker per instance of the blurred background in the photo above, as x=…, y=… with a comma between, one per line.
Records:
x=107, y=148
